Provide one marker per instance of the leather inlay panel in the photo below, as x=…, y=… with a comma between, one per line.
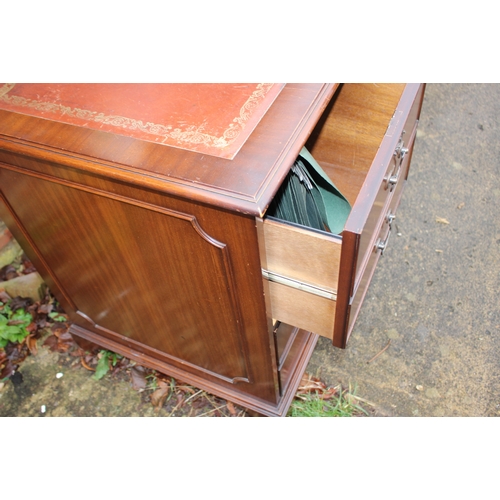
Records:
x=209, y=118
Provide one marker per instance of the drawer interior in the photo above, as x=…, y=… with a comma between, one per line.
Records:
x=301, y=264
x=348, y=135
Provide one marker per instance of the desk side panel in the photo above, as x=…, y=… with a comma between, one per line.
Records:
x=159, y=275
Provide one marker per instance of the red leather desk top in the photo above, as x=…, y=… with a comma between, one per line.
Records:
x=213, y=119
x=243, y=180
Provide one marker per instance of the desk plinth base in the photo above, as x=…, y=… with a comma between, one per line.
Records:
x=307, y=342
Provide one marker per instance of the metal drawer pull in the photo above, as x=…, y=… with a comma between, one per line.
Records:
x=393, y=180
x=390, y=219
x=382, y=244
x=299, y=285
x=400, y=152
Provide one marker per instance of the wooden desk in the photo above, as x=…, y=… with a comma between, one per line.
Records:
x=163, y=252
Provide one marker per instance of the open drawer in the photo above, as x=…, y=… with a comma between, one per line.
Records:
x=363, y=141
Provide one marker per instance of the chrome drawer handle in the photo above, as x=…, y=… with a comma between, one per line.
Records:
x=382, y=244
x=399, y=153
x=393, y=180
x=400, y=150
x=402, y=153
x=390, y=219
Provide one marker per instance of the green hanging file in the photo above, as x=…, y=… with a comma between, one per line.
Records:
x=308, y=197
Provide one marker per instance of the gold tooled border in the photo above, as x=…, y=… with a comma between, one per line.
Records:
x=191, y=134
x=6, y=88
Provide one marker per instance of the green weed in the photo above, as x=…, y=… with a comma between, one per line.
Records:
x=58, y=317
x=343, y=404
x=106, y=360
x=13, y=324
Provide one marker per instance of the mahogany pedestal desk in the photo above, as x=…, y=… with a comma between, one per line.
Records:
x=148, y=223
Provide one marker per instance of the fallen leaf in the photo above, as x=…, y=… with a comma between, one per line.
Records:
x=180, y=400
x=66, y=336
x=78, y=352
x=138, y=378
x=20, y=303
x=185, y=388
x=231, y=408
x=32, y=327
x=158, y=397
x=31, y=343
x=28, y=266
x=441, y=220
x=45, y=308
x=17, y=353
x=91, y=359
x=310, y=384
x=7, y=273
x=329, y=393
x=40, y=321
x=59, y=328
x=51, y=343
x=8, y=369
x=61, y=341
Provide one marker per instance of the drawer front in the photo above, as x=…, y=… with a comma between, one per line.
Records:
x=303, y=309
x=393, y=174
x=301, y=254
x=380, y=244
x=302, y=270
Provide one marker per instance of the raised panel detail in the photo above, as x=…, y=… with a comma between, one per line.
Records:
x=145, y=272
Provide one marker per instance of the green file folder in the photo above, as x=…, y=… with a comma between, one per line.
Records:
x=309, y=198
